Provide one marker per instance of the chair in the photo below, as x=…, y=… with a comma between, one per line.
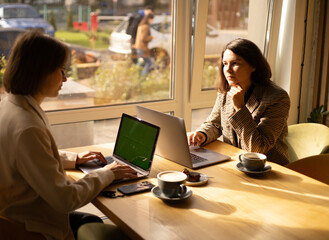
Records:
x=307, y=139
x=100, y=231
x=12, y=230
x=316, y=167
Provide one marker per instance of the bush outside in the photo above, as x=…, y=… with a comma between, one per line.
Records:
x=122, y=82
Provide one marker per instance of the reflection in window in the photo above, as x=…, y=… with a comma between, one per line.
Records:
x=227, y=20
x=102, y=69
x=20, y=12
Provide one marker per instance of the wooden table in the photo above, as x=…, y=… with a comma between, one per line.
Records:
x=281, y=204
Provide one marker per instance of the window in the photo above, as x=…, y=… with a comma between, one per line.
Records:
x=100, y=88
x=103, y=70
x=227, y=20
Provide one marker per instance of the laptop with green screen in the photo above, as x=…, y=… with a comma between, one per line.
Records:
x=134, y=146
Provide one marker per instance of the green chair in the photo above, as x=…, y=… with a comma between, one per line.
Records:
x=100, y=231
x=307, y=139
x=316, y=167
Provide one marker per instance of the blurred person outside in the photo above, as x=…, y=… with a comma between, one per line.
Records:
x=143, y=38
x=33, y=185
x=133, y=22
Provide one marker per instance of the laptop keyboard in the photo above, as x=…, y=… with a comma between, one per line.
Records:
x=197, y=159
x=101, y=164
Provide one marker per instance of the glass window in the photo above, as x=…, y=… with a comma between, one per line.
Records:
x=94, y=132
x=199, y=116
x=226, y=21
x=104, y=70
x=20, y=12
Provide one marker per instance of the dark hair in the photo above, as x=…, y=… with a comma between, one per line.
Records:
x=33, y=57
x=145, y=19
x=253, y=56
x=149, y=7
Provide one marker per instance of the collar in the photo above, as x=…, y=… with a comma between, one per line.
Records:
x=248, y=93
x=29, y=103
x=254, y=98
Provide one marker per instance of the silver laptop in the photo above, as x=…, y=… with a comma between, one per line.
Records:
x=134, y=146
x=173, y=144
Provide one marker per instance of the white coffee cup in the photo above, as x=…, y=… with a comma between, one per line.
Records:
x=253, y=161
x=171, y=183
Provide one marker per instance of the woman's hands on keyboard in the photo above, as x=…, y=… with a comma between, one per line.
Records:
x=90, y=155
x=121, y=171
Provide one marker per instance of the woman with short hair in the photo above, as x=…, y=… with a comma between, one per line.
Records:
x=33, y=186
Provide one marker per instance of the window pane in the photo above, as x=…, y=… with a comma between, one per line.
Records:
x=199, y=116
x=227, y=20
x=102, y=69
x=94, y=132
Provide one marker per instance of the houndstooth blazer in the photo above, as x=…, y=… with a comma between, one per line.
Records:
x=260, y=126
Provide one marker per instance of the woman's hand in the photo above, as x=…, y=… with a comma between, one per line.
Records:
x=121, y=171
x=90, y=155
x=196, y=138
x=237, y=94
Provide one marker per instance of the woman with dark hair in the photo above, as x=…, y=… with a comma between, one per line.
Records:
x=33, y=186
x=143, y=38
x=251, y=111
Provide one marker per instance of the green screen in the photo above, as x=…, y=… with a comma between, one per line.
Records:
x=136, y=141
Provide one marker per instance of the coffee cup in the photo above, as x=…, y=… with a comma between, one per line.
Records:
x=253, y=161
x=171, y=183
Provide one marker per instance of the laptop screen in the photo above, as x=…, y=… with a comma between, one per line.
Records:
x=136, y=141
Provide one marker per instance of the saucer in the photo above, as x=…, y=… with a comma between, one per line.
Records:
x=157, y=192
x=203, y=180
x=267, y=168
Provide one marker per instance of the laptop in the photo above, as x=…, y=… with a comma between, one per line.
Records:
x=173, y=143
x=134, y=146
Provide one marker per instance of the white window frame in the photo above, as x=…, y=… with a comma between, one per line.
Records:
x=286, y=52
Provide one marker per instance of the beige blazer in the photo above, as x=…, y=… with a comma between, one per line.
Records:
x=33, y=185
x=260, y=126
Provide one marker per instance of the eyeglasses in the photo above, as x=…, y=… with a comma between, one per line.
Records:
x=65, y=73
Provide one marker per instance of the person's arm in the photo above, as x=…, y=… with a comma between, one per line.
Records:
x=197, y=138
x=68, y=159
x=212, y=128
x=42, y=170
x=71, y=159
x=262, y=136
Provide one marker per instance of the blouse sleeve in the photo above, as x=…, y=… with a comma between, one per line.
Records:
x=43, y=172
x=68, y=159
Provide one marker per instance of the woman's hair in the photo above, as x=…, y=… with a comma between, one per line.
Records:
x=253, y=56
x=145, y=19
x=33, y=57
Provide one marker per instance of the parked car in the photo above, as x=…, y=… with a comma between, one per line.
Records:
x=161, y=28
x=7, y=39
x=23, y=16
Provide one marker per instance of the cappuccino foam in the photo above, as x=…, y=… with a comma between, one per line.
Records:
x=173, y=176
